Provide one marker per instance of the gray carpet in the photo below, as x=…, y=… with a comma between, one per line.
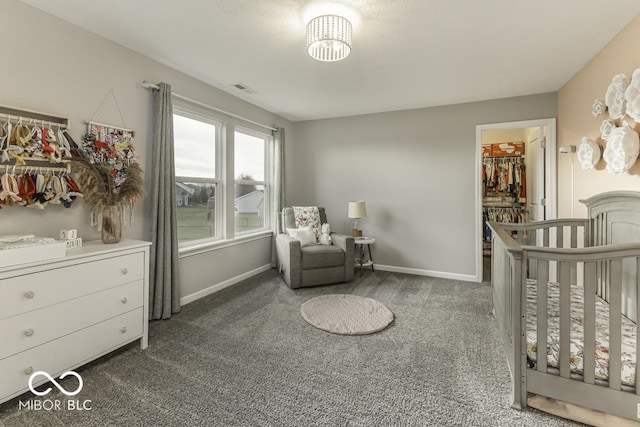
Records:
x=245, y=356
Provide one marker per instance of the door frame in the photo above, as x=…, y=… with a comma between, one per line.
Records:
x=550, y=174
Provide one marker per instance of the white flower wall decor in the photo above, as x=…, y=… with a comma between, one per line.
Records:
x=588, y=153
x=632, y=96
x=606, y=128
x=614, y=98
x=623, y=147
x=598, y=108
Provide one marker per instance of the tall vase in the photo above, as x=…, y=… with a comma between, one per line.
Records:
x=111, y=224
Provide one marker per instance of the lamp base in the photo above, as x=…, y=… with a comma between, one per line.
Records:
x=356, y=233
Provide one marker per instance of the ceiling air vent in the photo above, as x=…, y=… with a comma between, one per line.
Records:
x=244, y=88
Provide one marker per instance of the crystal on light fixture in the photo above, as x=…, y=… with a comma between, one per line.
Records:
x=329, y=38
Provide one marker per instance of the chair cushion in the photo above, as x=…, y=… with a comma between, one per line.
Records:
x=304, y=235
x=289, y=218
x=321, y=256
x=308, y=216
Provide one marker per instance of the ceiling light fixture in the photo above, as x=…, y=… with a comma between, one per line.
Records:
x=329, y=38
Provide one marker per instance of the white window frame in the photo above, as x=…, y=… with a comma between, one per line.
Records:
x=224, y=181
x=195, y=114
x=265, y=183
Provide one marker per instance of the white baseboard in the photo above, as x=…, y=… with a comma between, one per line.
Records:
x=220, y=286
x=430, y=273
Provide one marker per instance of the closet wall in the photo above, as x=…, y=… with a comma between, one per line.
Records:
x=52, y=66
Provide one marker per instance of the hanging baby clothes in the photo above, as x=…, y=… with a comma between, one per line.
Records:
x=504, y=175
x=38, y=189
x=522, y=194
x=112, y=146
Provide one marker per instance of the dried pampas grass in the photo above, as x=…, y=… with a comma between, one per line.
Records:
x=98, y=186
x=132, y=188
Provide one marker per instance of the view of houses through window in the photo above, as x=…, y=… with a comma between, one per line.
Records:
x=249, y=169
x=200, y=205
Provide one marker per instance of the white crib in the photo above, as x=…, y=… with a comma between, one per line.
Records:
x=572, y=285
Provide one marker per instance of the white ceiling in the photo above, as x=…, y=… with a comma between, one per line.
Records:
x=406, y=53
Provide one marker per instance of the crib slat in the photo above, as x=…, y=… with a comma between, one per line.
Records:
x=559, y=237
x=533, y=263
x=637, y=316
x=599, y=221
x=589, y=322
x=605, y=284
x=598, y=276
x=615, y=318
x=574, y=244
x=541, y=340
x=565, y=327
x=545, y=237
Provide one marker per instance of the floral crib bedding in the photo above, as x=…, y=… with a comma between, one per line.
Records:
x=577, y=334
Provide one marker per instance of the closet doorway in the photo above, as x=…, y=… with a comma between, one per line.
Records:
x=515, y=178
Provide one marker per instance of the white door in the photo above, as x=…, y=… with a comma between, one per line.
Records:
x=535, y=160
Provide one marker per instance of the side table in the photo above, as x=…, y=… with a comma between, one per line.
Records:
x=361, y=262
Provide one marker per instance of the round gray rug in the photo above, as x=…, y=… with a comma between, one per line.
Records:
x=346, y=314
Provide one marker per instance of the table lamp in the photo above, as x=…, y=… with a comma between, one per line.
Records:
x=357, y=211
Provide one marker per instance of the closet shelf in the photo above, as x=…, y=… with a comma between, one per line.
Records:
x=503, y=205
x=517, y=156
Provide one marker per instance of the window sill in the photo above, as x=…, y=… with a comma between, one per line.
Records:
x=221, y=244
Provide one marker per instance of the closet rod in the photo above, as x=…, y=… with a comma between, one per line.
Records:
x=152, y=86
x=517, y=156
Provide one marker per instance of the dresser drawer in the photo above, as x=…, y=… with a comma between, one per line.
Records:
x=71, y=350
x=28, y=292
x=21, y=332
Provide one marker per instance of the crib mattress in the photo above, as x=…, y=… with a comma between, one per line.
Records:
x=577, y=334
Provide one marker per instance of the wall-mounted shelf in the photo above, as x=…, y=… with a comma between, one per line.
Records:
x=29, y=138
x=32, y=117
x=35, y=153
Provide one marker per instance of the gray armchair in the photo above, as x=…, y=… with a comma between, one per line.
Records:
x=316, y=264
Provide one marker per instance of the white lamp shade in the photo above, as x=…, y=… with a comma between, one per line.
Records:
x=357, y=209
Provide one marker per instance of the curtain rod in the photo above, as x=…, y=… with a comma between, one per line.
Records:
x=150, y=85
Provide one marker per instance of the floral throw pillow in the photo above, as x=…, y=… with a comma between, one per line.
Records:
x=308, y=216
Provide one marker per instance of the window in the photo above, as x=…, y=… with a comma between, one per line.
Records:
x=197, y=182
x=222, y=184
x=251, y=201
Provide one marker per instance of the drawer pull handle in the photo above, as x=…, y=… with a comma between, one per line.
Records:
x=123, y=329
x=28, y=332
x=29, y=294
x=124, y=300
x=125, y=270
x=29, y=370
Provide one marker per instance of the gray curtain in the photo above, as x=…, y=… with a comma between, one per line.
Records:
x=164, y=291
x=278, y=188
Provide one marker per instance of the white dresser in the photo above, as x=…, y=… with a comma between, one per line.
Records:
x=56, y=315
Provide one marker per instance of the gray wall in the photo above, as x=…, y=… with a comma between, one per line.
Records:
x=51, y=66
x=416, y=171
